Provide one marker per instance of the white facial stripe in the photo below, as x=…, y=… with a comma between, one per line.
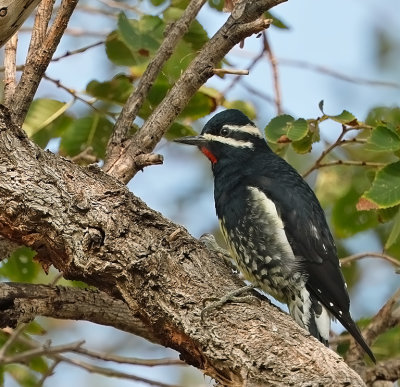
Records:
x=228, y=141
x=249, y=129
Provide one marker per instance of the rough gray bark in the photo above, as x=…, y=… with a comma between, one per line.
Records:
x=89, y=226
x=12, y=14
x=23, y=302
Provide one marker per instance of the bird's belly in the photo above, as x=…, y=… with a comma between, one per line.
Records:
x=266, y=267
x=257, y=240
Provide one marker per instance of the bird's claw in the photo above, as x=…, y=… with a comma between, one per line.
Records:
x=230, y=297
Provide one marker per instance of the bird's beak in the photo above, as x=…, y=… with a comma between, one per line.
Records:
x=192, y=140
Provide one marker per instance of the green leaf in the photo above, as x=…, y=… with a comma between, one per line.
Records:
x=298, y=129
x=200, y=105
x=117, y=90
x=196, y=36
x=383, y=139
x=278, y=127
x=346, y=220
x=156, y=3
x=345, y=117
x=385, y=116
x=93, y=131
x=385, y=189
x=395, y=232
x=41, y=113
x=182, y=4
x=276, y=22
x=305, y=144
x=22, y=375
x=39, y=364
x=53, y=130
x=179, y=61
x=34, y=328
x=20, y=267
x=178, y=130
x=118, y=52
x=143, y=36
x=217, y=4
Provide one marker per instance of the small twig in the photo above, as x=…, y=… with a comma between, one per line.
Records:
x=56, y=279
x=13, y=337
x=230, y=71
x=237, y=79
x=275, y=73
x=109, y=372
x=340, y=141
x=74, y=94
x=121, y=5
x=78, y=51
x=326, y=151
x=128, y=360
x=48, y=373
x=85, y=155
x=335, y=74
x=356, y=257
x=43, y=350
x=352, y=162
x=10, y=69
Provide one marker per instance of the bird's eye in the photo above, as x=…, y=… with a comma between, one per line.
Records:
x=224, y=132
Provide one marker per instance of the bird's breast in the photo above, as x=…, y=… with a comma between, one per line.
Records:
x=257, y=240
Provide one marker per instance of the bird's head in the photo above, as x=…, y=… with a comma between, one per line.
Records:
x=228, y=135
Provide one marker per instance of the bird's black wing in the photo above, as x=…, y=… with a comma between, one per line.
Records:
x=311, y=240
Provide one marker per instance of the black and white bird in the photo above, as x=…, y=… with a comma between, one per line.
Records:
x=274, y=225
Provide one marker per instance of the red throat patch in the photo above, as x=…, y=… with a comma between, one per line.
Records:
x=208, y=154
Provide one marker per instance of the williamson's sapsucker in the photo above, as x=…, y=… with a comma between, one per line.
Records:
x=274, y=225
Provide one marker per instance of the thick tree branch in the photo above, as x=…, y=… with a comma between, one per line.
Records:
x=38, y=61
x=244, y=21
x=24, y=302
x=136, y=99
x=388, y=370
x=92, y=228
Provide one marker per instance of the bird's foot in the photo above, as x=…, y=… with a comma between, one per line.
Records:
x=235, y=296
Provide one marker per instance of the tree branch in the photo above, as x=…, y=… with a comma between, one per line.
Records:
x=90, y=227
x=38, y=61
x=23, y=302
x=387, y=318
x=355, y=257
x=12, y=14
x=10, y=69
x=244, y=21
x=388, y=370
x=136, y=99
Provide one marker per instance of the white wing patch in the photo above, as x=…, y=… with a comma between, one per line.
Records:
x=271, y=214
x=228, y=141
